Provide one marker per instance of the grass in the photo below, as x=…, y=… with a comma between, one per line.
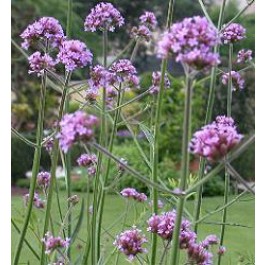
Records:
x=239, y=240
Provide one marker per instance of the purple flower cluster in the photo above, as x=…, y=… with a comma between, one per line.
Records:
x=237, y=81
x=104, y=16
x=39, y=63
x=74, y=127
x=89, y=161
x=244, y=56
x=45, y=29
x=48, y=143
x=125, y=73
x=134, y=194
x=147, y=23
x=216, y=139
x=52, y=243
x=130, y=242
x=233, y=33
x=156, y=77
x=43, y=179
x=74, y=54
x=191, y=42
x=37, y=201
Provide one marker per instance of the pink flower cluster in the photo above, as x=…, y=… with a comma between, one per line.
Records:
x=39, y=63
x=134, y=194
x=52, y=243
x=74, y=127
x=233, y=33
x=74, y=54
x=237, y=81
x=244, y=56
x=104, y=16
x=156, y=77
x=216, y=139
x=148, y=19
x=45, y=29
x=43, y=179
x=191, y=42
x=130, y=243
x=37, y=201
x=89, y=161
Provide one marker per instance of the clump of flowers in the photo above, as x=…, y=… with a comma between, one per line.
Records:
x=104, y=16
x=156, y=77
x=89, y=161
x=148, y=19
x=244, y=56
x=45, y=29
x=134, y=194
x=237, y=81
x=73, y=200
x=48, y=144
x=141, y=32
x=125, y=73
x=53, y=243
x=43, y=179
x=130, y=243
x=216, y=139
x=191, y=42
x=37, y=201
x=39, y=63
x=74, y=127
x=221, y=250
x=233, y=33
x=74, y=54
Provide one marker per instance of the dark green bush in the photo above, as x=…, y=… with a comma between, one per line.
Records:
x=214, y=187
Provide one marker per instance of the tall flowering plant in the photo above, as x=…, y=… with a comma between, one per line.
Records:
x=194, y=43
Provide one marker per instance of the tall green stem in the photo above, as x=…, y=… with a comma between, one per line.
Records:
x=198, y=201
x=35, y=167
x=227, y=175
x=184, y=169
x=54, y=158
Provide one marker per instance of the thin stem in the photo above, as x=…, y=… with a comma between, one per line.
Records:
x=35, y=167
x=210, y=104
x=164, y=253
x=22, y=138
x=54, y=158
x=184, y=168
x=205, y=12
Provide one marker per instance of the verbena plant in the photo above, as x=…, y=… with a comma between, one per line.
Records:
x=193, y=42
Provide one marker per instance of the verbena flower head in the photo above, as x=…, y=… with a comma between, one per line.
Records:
x=43, y=179
x=87, y=160
x=74, y=127
x=156, y=77
x=104, y=16
x=215, y=140
x=52, y=243
x=191, y=42
x=130, y=242
x=148, y=19
x=198, y=254
x=39, y=63
x=233, y=33
x=141, y=32
x=221, y=250
x=48, y=143
x=37, y=201
x=237, y=81
x=74, y=54
x=210, y=240
x=244, y=56
x=45, y=29
x=74, y=199
x=125, y=73
x=134, y=194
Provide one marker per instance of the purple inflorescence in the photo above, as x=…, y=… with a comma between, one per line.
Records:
x=130, y=243
x=86, y=160
x=43, y=179
x=74, y=127
x=198, y=254
x=125, y=73
x=48, y=143
x=39, y=63
x=244, y=56
x=37, y=201
x=45, y=29
x=237, y=81
x=148, y=19
x=141, y=32
x=74, y=54
x=233, y=33
x=134, y=194
x=216, y=139
x=52, y=243
x=104, y=16
x=210, y=240
x=221, y=250
x=191, y=42
x=156, y=77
